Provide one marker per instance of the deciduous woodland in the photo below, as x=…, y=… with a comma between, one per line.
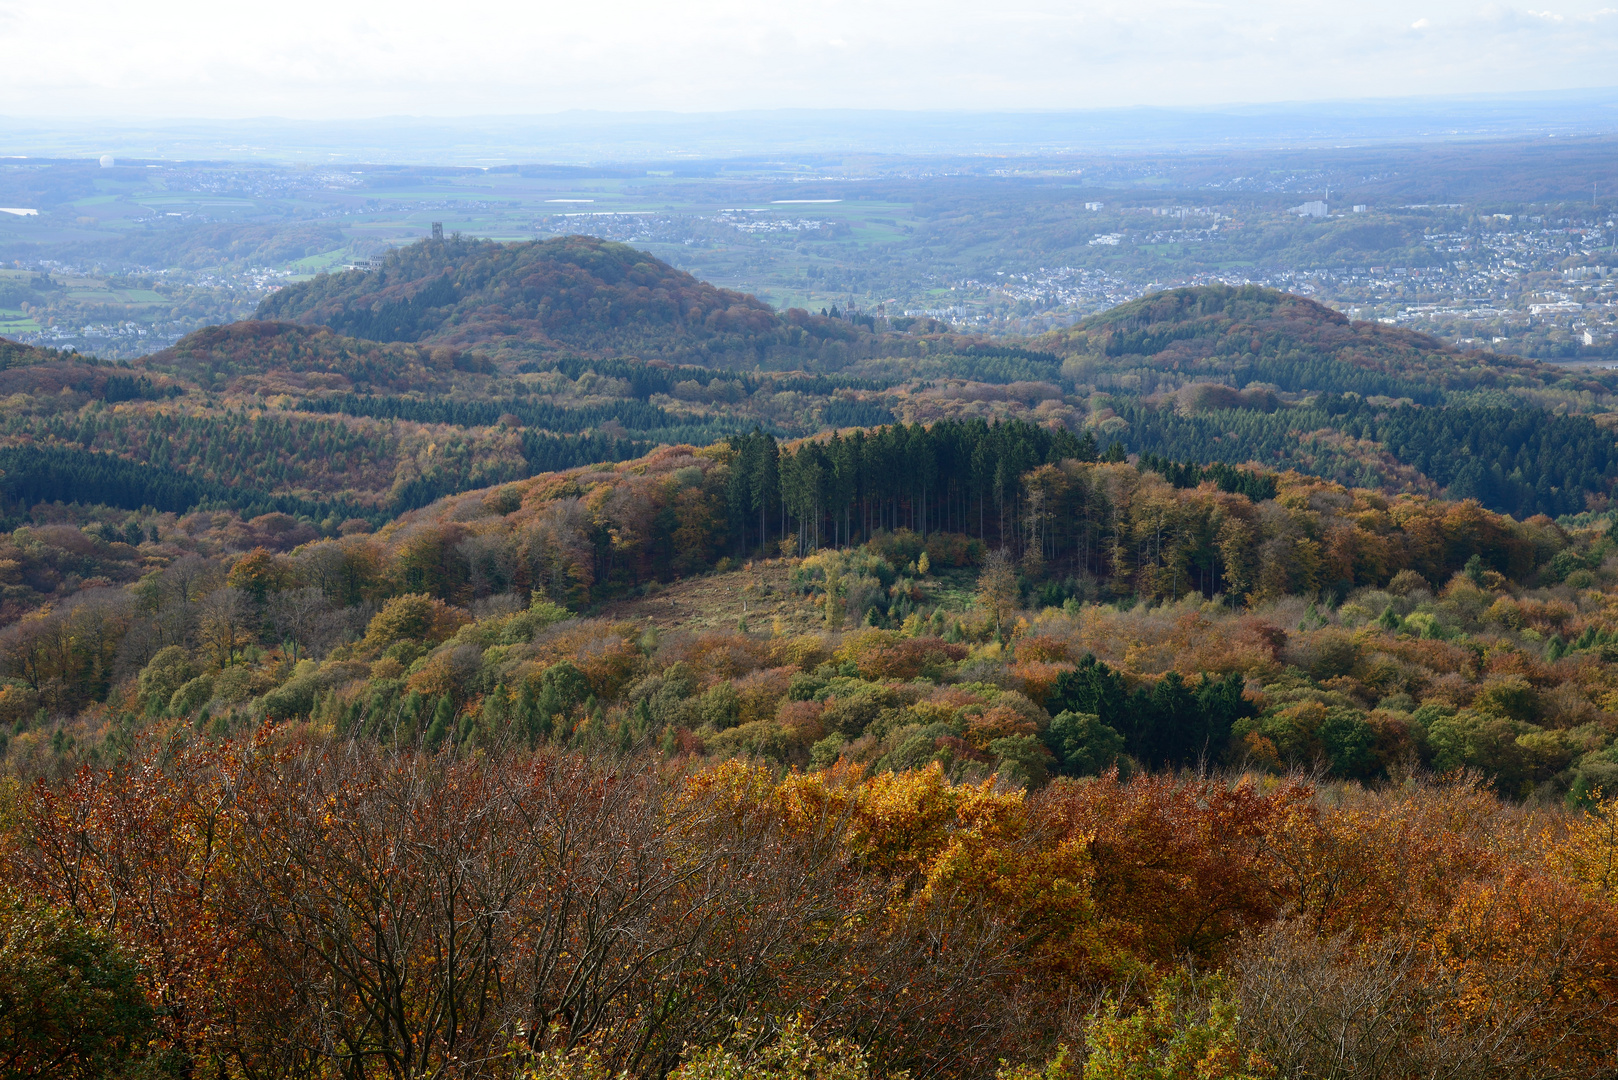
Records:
x=968, y=729
x=1252, y=776
x=295, y=905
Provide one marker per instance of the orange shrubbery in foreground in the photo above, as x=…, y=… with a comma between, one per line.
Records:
x=303, y=907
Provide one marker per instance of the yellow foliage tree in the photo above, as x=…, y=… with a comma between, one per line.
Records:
x=1175, y=1037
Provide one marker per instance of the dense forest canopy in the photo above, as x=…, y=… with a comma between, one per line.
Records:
x=411, y=682
x=265, y=415
x=881, y=531
x=285, y=416
x=794, y=715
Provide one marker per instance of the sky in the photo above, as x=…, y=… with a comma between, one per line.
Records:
x=333, y=59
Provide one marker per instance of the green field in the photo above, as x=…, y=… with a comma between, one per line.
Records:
x=326, y=260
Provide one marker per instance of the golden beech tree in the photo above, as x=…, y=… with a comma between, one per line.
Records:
x=1180, y=866
x=1587, y=850
x=259, y=573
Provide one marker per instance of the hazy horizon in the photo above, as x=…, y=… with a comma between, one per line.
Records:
x=344, y=58
x=600, y=136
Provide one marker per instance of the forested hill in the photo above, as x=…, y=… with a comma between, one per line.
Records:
x=15, y=354
x=1249, y=334
x=576, y=293
x=328, y=423
x=297, y=356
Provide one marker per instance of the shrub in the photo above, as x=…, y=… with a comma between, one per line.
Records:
x=1082, y=744
x=165, y=673
x=70, y=1004
x=412, y=617
x=1023, y=759
x=795, y=1054
x=292, y=699
x=192, y=696
x=1184, y=1033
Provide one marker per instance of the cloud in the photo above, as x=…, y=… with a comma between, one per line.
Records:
x=333, y=58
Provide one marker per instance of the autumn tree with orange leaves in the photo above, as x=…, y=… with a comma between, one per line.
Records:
x=303, y=907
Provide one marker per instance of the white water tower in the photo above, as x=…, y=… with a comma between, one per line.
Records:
x=107, y=162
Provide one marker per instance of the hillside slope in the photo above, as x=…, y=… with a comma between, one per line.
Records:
x=693, y=763
x=298, y=417
x=1217, y=373
x=16, y=354
x=1242, y=335
x=1328, y=597
x=576, y=293
x=298, y=357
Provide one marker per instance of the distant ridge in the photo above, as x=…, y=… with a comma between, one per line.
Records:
x=1254, y=334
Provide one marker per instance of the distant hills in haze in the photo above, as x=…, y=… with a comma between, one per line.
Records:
x=460, y=364
x=575, y=293
x=1249, y=335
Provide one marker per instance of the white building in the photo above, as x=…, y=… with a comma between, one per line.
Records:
x=1315, y=208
